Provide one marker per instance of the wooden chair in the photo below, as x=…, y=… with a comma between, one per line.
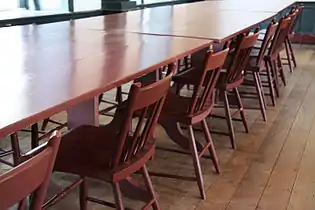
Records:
x=233, y=77
x=256, y=66
x=31, y=176
x=189, y=111
x=273, y=59
x=112, y=153
x=296, y=14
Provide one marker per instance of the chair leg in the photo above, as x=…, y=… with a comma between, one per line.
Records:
x=15, y=148
x=270, y=84
x=119, y=98
x=228, y=118
x=288, y=55
x=212, y=151
x=83, y=195
x=241, y=108
x=291, y=52
x=118, y=196
x=186, y=62
x=274, y=71
x=262, y=90
x=45, y=123
x=100, y=97
x=281, y=70
x=149, y=185
x=34, y=138
x=260, y=96
x=196, y=162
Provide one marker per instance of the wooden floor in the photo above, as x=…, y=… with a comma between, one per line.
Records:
x=273, y=167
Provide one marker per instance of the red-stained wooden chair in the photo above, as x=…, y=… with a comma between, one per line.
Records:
x=112, y=153
x=233, y=77
x=273, y=59
x=296, y=14
x=257, y=66
x=31, y=176
x=229, y=79
x=189, y=111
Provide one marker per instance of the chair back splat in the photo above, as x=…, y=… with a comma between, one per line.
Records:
x=298, y=13
x=145, y=103
x=243, y=48
x=280, y=36
x=204, y=92
x=270, y=33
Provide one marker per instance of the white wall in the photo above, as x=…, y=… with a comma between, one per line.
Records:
x=8, y=4
x=83, y=5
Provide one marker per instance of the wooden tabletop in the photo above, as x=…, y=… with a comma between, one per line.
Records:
x=44, y=73
x=250, y=5
x=189, y=20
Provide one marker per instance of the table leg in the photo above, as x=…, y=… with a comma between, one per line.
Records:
x=85, y=113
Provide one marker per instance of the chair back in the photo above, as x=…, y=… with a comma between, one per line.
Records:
x=243, y=48
x=145, y=103
x=31, y=176
x=280, y=36
x=297, y=11
x=203, y=94
x=269, y=35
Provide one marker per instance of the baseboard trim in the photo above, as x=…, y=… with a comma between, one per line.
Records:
x=304, y=38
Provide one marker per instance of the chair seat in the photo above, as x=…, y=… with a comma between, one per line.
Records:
x=176, y=105
x=252, y=65
x=189, y=77
x=176, y=108
x=222, y=85
x=87, y=151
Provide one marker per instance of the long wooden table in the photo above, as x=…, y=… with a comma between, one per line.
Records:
x=44, y=73
x=50, y=68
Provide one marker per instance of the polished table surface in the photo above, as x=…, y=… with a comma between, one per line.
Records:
x=189, y=20
x=250, y=5
x=45, y=71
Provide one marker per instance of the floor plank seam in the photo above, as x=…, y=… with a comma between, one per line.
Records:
x=279, y=153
